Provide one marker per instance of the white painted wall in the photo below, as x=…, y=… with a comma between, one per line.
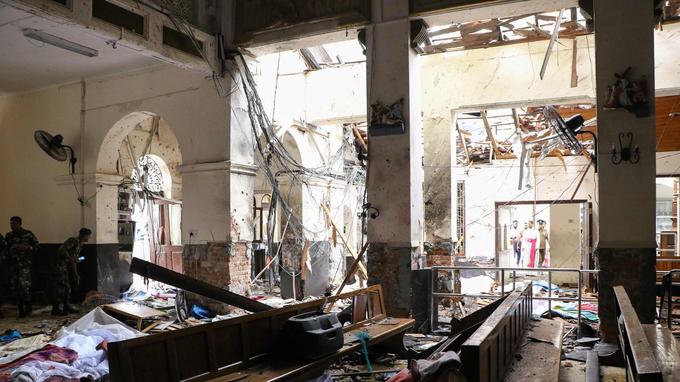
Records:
x=508, y=76
x=564, y=238
x=186, y=101
x=28, y=174
x=487, y=184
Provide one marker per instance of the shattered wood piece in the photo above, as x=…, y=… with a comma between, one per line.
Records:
x=136, y=312
x=489, y=133
x=362, y=268
x=167, y=276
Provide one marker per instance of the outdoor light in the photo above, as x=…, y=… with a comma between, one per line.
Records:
x=60, y=42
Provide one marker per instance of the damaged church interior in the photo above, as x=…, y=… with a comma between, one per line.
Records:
x=339, y=190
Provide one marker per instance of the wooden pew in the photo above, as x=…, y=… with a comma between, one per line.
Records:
x=638, y=354
x=490, y=349
x=209, y=351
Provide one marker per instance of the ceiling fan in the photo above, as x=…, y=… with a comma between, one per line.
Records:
x=54, y=147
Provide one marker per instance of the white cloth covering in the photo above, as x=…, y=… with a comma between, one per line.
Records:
x=83, y=336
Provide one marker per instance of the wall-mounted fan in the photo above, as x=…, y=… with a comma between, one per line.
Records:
x=54, y=147
x=569, y=129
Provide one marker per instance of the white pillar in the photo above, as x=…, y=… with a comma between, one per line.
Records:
x=624, y=37
x=395, y=173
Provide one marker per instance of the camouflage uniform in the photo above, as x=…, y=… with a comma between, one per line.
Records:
x=21, y=246
x=65, y=269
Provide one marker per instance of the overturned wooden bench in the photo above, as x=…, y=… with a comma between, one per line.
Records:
x=238, y=348
x=650, y=353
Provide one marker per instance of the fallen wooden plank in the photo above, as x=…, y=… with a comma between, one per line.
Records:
x=167, y=276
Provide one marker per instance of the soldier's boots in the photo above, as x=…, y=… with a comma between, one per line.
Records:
x=25, y=309
x=70, y=309
x=56, y=311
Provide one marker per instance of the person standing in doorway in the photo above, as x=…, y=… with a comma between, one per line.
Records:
x=515, y=240
x=524, y=245
x=65, y=272
x=542, y=242
x=531, y=234
x=21, y=246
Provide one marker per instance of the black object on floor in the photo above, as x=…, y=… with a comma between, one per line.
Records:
x=310, y=336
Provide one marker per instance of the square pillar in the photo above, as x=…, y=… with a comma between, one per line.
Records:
x=395, y=173
x=624, y=37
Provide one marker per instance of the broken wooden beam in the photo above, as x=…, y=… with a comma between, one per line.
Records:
x=489, y=133
x=351, y=273
x=167, y=276
x=362, y=268
x=574, y=55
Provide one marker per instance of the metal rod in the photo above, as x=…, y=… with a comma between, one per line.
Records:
x=434, y=314
x=580, y=301
x=492, y=296
x=502, y=283
x=549, y=294
x=528, y=270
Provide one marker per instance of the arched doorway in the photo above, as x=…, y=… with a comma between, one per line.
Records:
x=144, y=210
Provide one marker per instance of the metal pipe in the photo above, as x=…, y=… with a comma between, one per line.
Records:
x=502, y=283
x=499, y=296
x=580, y=301
x=164, y=275
x=549, y=294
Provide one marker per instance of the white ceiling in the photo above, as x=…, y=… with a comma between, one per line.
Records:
x=26, y=64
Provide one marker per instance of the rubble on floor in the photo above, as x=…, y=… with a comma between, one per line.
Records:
x=77, y=351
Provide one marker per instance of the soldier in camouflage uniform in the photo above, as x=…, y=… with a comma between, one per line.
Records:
x=21, y=245
x=65, y=272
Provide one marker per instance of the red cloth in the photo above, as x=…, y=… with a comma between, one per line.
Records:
x=47, y=353
x=403, y=376
x=532, y=253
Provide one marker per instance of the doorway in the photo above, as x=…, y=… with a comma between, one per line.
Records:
x=555, y=231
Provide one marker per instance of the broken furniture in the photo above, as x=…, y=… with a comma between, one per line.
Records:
x=650, y=353
x=135, y=311
x=164, y=275
x=239, y=348
x=488, y=352
x=310, y=335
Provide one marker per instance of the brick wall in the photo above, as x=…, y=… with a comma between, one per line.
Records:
x=438, y=254
x=222, y=264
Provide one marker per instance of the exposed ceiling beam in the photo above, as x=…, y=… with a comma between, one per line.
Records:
x=555, y=34
x=489, y=133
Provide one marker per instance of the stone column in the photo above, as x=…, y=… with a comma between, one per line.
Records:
x=217, y=211
x=626, y=195
x=395, y=174
x=439, y=186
